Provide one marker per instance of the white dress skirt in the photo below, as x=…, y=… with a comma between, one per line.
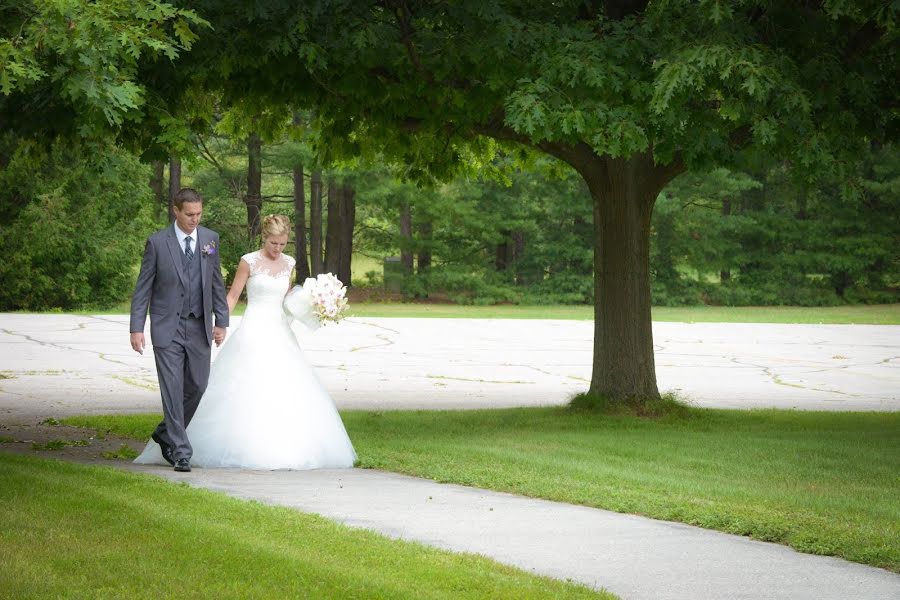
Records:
x=264, y=407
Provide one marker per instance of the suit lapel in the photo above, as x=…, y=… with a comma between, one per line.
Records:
x=177, y=254
x=202, y=257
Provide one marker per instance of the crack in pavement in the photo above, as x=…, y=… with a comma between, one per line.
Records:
x=776, y=379
x=545, y=372
x=100, y=355
x=475, y=380
x=388, y=342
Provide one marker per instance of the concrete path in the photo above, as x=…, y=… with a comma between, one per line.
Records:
x=68, y=364
x=634, y=557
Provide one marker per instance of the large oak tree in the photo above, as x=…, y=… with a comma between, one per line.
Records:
x=630, y=93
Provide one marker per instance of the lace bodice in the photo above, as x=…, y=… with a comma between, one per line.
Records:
x=269, y=281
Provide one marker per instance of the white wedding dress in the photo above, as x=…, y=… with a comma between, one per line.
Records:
x=264, y=407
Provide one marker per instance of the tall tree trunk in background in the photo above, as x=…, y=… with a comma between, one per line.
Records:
x=503, y=256
x=253, y=199
x=174, y=184
x=157, y=178
x=315, y=223
x=423, y=260
x=300, y=226
x=725, y=273
x=802, y=209
x=348, y=222
x=333, y=228
x=518, y=241
x=406, y=254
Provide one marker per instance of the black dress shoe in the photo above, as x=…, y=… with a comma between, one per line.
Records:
x=183, y=465
x=166, y=449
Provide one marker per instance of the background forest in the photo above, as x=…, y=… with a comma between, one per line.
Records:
x=516, y=230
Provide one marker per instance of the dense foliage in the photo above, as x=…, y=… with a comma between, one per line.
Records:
x=73, y=226
x=758, y=239
x=720, y=237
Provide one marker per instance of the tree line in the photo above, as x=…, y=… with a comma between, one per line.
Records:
x=520, y=235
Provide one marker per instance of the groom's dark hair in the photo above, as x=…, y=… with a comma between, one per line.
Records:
x=186, y=195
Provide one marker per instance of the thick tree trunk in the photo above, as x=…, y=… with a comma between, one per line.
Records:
x=315, y=223
x=348, y=222
x=423, y=259
x=406, y=254
x=174, y=184
x=302, y=268
x=157, y=181
x=333, y=228
x=253, y=199
x=623, y=191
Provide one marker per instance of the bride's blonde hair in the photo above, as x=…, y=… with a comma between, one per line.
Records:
x=275, y=225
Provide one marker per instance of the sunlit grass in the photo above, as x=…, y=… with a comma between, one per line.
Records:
x=72, y=531
x=824, y=483
x=882, y=314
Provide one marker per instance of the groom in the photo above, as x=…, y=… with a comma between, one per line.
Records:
x=181, y=284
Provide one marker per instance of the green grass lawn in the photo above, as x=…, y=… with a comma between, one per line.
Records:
x=73, y=531
x=879, y=314
x=824, y=483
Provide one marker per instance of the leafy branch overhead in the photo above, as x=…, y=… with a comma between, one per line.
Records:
x=88, y=55
x=697, y=82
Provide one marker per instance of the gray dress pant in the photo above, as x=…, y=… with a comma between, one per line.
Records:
x=183, y=371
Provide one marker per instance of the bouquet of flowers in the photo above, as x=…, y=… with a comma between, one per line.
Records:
x=317, y=302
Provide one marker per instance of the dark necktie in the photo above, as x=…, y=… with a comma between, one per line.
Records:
x=187, y=248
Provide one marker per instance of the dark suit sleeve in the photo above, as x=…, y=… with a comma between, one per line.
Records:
x=140, y=301
x=220, y=304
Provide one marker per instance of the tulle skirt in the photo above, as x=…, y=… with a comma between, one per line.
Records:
x=264, y=407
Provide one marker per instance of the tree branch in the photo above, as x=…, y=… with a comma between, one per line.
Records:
x=580, y=156
x=740, y=137
x=619, y=9
x=867, y=36
x=207, y=155
x=403, y=14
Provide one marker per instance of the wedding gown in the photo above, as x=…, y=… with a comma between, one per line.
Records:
x=264, y=407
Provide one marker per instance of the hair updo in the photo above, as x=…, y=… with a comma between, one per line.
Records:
x=275, y=225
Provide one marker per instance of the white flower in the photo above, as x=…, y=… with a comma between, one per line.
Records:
x=318, y=301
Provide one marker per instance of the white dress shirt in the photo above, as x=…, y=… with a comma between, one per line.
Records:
x=181, y=235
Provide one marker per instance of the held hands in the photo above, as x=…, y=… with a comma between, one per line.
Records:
x=137, y=342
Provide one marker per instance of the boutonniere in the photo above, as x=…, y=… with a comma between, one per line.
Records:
x=209, y=249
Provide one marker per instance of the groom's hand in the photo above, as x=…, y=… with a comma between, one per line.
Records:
x=137, y=342
x=219, y=335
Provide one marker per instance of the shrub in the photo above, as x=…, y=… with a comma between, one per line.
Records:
x=76, y=238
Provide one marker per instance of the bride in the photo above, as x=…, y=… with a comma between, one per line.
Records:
x=264, y=407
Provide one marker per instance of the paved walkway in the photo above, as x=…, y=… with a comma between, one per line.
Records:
x=634, y=557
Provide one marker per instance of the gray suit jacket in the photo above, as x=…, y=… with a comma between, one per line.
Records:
x=161, y=285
